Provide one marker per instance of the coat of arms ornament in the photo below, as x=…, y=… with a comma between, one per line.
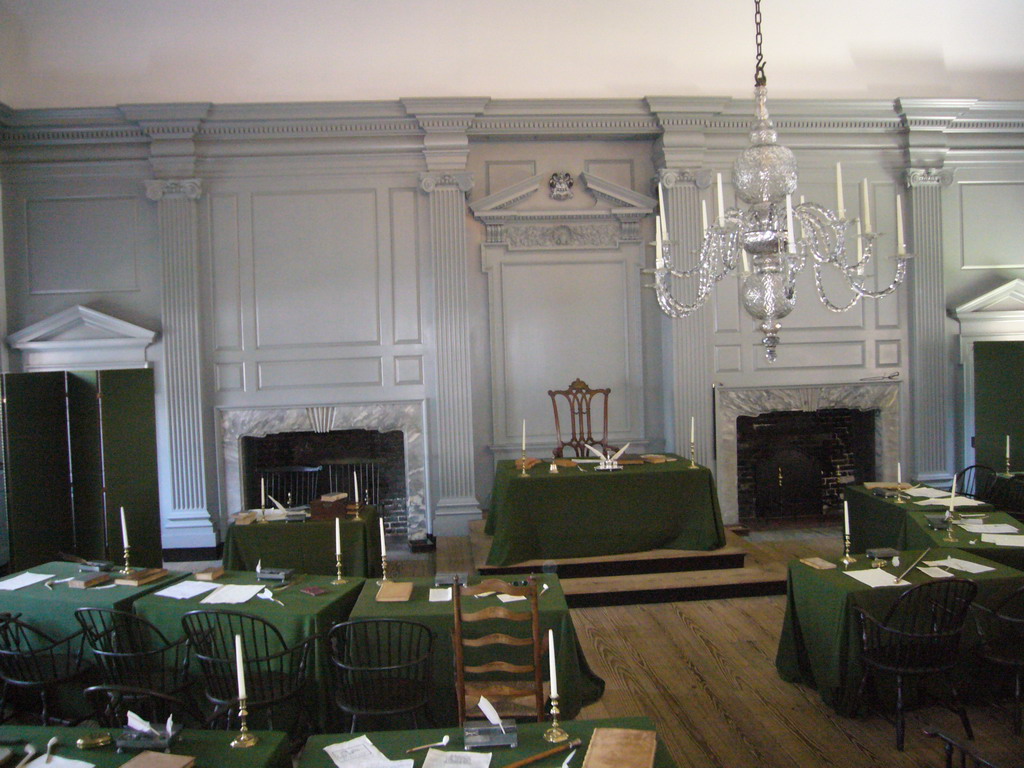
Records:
x=560, y=185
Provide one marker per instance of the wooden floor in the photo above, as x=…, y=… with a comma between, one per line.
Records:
x=704, y=671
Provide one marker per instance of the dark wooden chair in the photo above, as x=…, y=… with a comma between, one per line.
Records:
x=33, y=661
x=276, y=675
x=1001, y=628
x=918, y=636
x=512, y=679
x=579, y=402
x=958, y=753
x=131, y=652
x=976, y=482
x=111, y=703
x=293, y=486
x=380, y=668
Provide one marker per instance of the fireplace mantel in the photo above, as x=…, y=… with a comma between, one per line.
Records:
x=733, y=402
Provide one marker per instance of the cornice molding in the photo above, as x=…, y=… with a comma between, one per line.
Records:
x=159, y=189
x=430, y=182
x=928, y=177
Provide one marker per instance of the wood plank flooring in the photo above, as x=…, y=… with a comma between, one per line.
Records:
x=704, y=671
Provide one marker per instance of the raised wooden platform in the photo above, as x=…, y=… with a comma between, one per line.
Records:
x=656, y=576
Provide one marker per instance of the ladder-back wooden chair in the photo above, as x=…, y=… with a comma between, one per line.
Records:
x=514, y=682
x=578, y=401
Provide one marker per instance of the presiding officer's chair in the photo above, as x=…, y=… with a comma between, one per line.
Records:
x=579, y=403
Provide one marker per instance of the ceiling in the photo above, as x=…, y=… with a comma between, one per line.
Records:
x=80, y=53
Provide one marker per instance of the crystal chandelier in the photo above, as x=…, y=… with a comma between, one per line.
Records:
x=762, y=240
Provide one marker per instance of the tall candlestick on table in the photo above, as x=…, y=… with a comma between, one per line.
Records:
x=847, y=557
x=240, y=666
x=355, y=484
x=523, y=452
x=124, y=529
x=244, y=738
x=337, y=536
x=555, y=733
x=899, y=473
x=552, y=672
x=383, y=549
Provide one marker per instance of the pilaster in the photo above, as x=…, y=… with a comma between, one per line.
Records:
x=688, y=363
x=187, y=523
x=456, y=485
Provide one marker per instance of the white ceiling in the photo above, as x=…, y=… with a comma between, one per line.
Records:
x=76, y=53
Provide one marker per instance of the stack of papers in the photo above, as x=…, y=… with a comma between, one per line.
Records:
x=960, y=565
x=233, y=593
x=24, y=580
x=989, y=527
x=361, y=753
x=876, y=577
x=1003, y=539
x=186, y=589
x=946, y=501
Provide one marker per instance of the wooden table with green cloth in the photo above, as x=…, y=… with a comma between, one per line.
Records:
x=577, y=684
x=211, y=749
x=301, y=615
x=306, y=547
x=820, y=640
x=920, y=536
x=531, y=742
x=52, y=609
x=640, y=507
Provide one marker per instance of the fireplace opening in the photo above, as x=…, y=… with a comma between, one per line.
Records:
x=296, y=467
x=794, y=464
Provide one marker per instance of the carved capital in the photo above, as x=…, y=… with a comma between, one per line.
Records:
x=432, y=181
x=158, y=189
x=928, y=177
x=672, y=177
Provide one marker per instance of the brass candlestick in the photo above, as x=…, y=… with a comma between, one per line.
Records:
x=384, y=566
x=693, y=455
x=523, y=473
x=337, y=563
x=1008, y=464
x=848, y=559
x=555, y=733
x=127, y=566
x=244, y=739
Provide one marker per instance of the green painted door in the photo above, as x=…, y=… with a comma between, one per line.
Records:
x=999, y=403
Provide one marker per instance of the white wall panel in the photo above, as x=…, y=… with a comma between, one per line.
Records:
x=406, y=290
x=293, y=374
x=991, y=216
x=226, y=271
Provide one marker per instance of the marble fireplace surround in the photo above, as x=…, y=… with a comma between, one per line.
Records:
x=236, y=423
x=733, y=402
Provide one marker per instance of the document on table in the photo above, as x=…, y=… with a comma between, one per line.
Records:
x=924, y=492
x=1003, y=539
x=24, y=580
x=514, y=598
x=876, y=577
x=186, y=589
x=989, y=527
x=361, y=753
x=440, y=594
x=945, y=501
x=438, y=758
x=960, y=565
x=935, y=573
x=233, y=593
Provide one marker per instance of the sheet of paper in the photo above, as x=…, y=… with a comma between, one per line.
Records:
x=233, y=594
x=439, y=758
x=1003, y=539
x=960, y=565
x=923, y=492
x=876, y=577
x=361, y=753
x=989, y=527
x=186, y=589
x=440, y=594
x=511, y=598
x=956, y=501
x=24, y=580
x=56, y=761
x=935, y=573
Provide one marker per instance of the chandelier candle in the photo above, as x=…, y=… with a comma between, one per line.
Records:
x=901, y=245
x=840, y=208
x=721, y=200
x=865, y=205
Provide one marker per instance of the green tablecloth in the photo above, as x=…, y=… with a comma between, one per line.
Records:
x=640, y=507
x=577, y=684
x=210, y=748
x=301, y=616
x=306, y=547
x=920, y=535
x=531, y=741
x=820, y=641
x=53, y=610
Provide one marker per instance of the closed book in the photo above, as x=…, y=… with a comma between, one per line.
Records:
x=621, y=748
x=394, y=591
x=149, y=759
x=86, y=580
x=138, y=578
x=212, y=573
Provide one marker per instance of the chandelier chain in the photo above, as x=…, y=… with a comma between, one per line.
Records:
x=759, y=76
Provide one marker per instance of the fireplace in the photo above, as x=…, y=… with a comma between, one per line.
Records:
x=389, y=437
x=880, y=399
x=793, y=464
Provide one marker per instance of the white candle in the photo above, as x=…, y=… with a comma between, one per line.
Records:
x=659, y=259
x=846, y=518
x=337, y=535
x=790, y=234
x=240, y=666
x=901, y=245
x=663, y=228
x=1007, y=447
x=840, y=208
x=721, y=200
x=693, y=427
x=865, y=205
x=860, y=250
x=524, y=436
x=124, y=529
x=704, y=217
x=746, y=263
x=383, y=547
x=355, y=491
x=952, y=491
x=899, y=473
x=551, y=665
